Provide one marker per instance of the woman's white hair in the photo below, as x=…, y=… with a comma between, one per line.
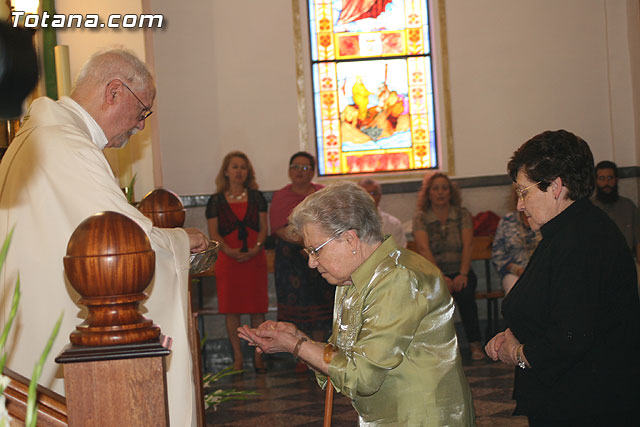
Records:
x=338, y=208
x=112, y=64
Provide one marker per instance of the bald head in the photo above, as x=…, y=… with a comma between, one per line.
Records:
x=105, y=66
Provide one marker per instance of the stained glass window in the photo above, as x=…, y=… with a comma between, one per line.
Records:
x=372, y=82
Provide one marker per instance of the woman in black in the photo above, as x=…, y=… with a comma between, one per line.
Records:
x=573, y=317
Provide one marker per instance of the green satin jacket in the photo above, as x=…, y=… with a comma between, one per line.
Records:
x=398, y=357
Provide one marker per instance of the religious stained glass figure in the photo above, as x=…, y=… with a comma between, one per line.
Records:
x=373, y=90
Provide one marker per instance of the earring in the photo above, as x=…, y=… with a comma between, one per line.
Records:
x=353, y=251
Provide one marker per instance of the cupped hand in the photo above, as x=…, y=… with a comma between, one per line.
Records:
x=280, y=326
x=268, y=340
x=198, y=242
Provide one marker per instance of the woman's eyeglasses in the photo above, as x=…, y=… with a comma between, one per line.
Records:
x=523, y=193
x=313, y=252
x=300, y=167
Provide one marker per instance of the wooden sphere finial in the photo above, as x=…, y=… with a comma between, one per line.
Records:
x=164, y=208
x=110, y=262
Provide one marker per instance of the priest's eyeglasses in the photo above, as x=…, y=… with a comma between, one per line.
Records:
x=300, y=167
x=146, y=111
x=522, y=194
x=313, y=252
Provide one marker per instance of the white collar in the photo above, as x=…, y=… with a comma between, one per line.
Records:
x=97, y=134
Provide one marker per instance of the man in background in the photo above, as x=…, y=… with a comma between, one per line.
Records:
x=390, y=224
x=53, y=176
x=620, y=209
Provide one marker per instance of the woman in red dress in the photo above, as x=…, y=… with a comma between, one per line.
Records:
x=237, y=218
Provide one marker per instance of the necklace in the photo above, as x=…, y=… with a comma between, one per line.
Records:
x=238, y=197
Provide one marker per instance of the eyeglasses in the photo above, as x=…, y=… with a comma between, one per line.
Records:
x=523, y=193
x=300, y=167
x=313, y=252
x=146, y=111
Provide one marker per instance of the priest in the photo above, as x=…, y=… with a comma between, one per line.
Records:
x=52, y=177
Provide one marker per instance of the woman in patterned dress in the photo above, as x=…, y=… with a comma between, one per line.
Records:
x=443, y=231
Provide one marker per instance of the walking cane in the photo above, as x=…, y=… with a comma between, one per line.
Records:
x=328, y=403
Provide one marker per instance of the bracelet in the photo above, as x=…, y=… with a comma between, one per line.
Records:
x=519, y=359
x=463, y=274
x=329, y=349
x=296, y=349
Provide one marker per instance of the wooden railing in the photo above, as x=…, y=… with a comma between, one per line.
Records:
x=52, y=408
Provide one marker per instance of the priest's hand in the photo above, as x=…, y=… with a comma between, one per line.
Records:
x=198, y=242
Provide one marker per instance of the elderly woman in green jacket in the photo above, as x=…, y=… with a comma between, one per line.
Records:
x=393, y=350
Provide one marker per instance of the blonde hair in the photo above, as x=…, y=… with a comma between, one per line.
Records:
x=222, y=181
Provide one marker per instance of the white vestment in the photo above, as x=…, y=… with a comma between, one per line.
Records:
x=52, y=177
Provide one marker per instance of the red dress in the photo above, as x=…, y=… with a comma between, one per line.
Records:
x=242, y=286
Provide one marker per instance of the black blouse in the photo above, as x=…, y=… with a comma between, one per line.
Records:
x=577, y=312
x=218, y=207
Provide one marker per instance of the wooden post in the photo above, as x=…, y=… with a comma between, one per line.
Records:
x=114, y=369
x=165, y=209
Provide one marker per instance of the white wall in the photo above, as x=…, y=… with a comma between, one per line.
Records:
x=517, y=68
x=226, y=80
x=521, y=67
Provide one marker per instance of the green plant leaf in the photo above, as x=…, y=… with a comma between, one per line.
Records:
x=14, y=302
x=214, y=398
x=7, y=326
x=5, y=247
x=130, y=187
x=32, y=415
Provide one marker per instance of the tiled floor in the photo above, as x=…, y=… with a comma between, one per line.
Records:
x=290, y=399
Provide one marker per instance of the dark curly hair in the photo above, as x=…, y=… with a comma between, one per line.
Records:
x=554, y=154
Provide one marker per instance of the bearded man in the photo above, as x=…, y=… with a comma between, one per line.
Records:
x=620, y=209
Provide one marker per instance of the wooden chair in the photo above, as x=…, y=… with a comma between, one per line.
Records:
x=482, y=252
